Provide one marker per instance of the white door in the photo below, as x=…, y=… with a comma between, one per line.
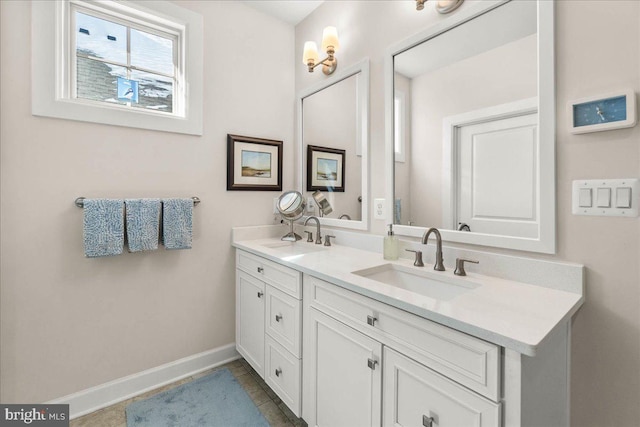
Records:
x=250, y=320
x=497, y=176
x=414, y=395
x=342, y=374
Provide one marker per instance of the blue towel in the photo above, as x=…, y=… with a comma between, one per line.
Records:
x=177, y=216
x=103, y=227
x=143, y=224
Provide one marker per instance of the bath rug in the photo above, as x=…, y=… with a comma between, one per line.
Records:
x=216, y=400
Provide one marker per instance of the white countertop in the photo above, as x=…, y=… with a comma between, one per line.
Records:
x=512, y=314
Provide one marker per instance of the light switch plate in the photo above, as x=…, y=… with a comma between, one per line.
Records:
x=378, y=209
x=608, y=195
x=311, y=205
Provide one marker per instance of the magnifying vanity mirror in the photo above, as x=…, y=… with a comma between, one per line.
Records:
x=471, y=128
x=333, y=147
x=291, y=205
x=324, y=207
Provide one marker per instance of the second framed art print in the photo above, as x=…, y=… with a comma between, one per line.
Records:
x=325, y=169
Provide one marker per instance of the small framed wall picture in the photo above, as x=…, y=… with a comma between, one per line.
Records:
x=253, y=164
x=325, y=169
x=604, y=112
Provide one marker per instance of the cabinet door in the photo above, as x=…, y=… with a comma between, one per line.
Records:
x=342, y=374
x=250, y=320
x=414, y=395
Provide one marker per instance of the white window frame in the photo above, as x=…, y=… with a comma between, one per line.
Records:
x=54, y=62
x=399, y=125
x=166, y=32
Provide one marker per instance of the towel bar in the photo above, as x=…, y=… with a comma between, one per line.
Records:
x=80, y=201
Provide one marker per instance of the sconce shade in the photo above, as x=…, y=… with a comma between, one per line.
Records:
x=330, y=38
x=447, y=6
x=310, y=53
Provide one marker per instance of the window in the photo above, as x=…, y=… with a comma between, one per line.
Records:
x=399, y=112
x=122, y=63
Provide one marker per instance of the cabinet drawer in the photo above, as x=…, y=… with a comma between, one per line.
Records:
x=412, y=394
x=283, y=319
x=283, y=278
x=282, y=374
x=468, y=360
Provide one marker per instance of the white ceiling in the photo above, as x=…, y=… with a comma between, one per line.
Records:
x=291, y=11
x=507, y=23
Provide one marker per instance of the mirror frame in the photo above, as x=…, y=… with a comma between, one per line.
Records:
x=546, y=241
x=361, y=69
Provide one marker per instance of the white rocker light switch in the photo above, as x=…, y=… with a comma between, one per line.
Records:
x=604, y=198
x=623, y=197
x=585, y=198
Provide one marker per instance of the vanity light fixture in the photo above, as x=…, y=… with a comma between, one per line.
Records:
x=330, y=45
x=442, y=6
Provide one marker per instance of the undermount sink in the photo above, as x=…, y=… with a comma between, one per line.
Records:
x=294, y=248
x=420, y=282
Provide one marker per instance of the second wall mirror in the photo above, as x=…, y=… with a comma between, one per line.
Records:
x=333, y=146
x=471, y=128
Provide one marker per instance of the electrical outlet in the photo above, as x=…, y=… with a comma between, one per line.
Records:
x=378, y=209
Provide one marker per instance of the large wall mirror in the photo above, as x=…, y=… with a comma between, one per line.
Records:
x=471, y=128
x=333, y=145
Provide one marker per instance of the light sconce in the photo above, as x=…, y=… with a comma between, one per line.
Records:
x=442, y=6
x=330, y=45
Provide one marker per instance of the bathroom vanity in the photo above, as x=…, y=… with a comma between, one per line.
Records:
x=347, y=338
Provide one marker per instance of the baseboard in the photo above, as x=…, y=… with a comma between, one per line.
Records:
x=107, y=394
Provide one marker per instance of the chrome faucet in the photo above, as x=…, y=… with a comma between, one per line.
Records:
x=318, y=235
x=425, y=237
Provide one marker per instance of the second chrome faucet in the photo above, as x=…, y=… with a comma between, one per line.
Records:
x=439, y=266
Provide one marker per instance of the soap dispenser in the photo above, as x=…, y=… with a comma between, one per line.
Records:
x=390, y=249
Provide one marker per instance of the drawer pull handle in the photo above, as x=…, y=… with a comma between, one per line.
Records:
x=372, y=364
x=371, y=320
x=278, y=317
x=260, y=294
x=278, y=372
x=427, y=421
x=260, y=270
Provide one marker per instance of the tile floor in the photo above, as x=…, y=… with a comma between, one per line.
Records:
x=273, y=409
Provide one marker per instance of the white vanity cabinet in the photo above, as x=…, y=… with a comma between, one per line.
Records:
x=250, y=319
x=370, y=364
x=268, y=323
x=342, y=374
x=354, y=353
x=414, y=395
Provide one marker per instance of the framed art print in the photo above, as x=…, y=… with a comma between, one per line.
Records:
x=253, y=164
x=325, y=169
